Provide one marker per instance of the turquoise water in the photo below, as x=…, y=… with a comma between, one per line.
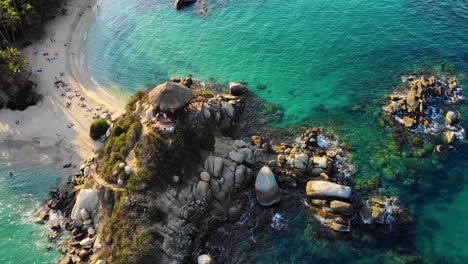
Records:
x=21, y=240
x=324, y=63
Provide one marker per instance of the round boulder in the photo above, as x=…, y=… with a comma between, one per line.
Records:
x=266, y=187
x=205, y=176
x=204, y=259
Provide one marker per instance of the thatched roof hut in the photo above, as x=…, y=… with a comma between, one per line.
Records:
x=170, y=96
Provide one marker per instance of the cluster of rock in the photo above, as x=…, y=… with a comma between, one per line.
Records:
x=122, y=167
x=311, y=161
x=383, y=212
x=190, y=209
x=81, y=223
x=222, y=110
x=419, y=105
x=316, y=161
x=226, y=172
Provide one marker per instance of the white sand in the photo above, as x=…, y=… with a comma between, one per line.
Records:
x=49, y=121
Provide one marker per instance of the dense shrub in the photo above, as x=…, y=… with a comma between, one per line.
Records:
x=98, y=128
x=123, y=137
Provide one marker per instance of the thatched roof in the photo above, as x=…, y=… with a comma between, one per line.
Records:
x=170, y=96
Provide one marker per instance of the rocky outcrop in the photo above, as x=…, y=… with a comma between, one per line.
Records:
x=388, y=211
x=422, y=101
x=266, y=187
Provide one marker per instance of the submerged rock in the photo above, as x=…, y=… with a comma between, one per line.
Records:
x=327, y=190
x=266, y=187
x=179, y=4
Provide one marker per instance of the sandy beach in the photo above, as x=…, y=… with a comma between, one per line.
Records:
x=71, y=97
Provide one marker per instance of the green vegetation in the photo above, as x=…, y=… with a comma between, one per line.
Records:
x=18, y=19
x=202, y=93
x=11, y=58
x=123, y=137
x=98, y=128
x=160, y=156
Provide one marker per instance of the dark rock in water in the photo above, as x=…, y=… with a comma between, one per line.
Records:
x=179, y=4
x=237, y=89
x=187, y=82
x=449, y=137
x=68, y=165
x=55, y=226
x=342, y=207
x=366, y=214
x=43, y=215
x=261, y=87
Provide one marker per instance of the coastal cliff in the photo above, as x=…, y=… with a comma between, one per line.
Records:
x=169, y=175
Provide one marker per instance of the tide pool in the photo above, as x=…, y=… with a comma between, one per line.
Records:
x=22, y=240
x=323, y=63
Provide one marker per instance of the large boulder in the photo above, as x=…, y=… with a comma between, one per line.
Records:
x=205, y=176
x=327, y=190
x=266, y=187
x=237, y=89
x=342, y=207
x=452, y=118
x=86, y=199
x=236, y=156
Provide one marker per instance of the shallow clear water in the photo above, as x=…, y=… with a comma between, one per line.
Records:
x=323, y=63
x=22, y=240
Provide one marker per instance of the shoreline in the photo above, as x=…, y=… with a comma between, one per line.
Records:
x=51, y=122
